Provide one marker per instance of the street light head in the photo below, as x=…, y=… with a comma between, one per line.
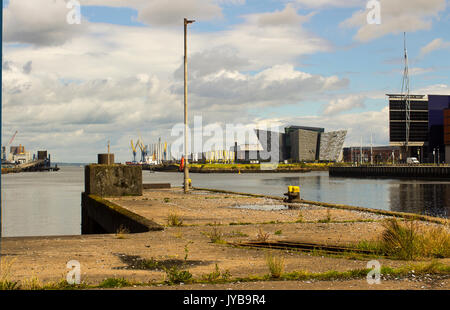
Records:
x=186, y=21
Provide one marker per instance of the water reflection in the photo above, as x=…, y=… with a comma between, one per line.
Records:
x=422, y=197
x=429, y=199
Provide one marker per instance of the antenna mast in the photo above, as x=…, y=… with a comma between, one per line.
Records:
x=405, y=95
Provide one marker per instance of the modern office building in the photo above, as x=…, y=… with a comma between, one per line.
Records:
x=301, y=144
x=426, y=134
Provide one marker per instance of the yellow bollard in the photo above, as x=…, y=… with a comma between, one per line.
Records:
x=293, y=194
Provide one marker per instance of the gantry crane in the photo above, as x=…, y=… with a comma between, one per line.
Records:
x=143, y=150
x=133, y=148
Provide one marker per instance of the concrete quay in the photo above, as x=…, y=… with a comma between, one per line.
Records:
x=409, y=172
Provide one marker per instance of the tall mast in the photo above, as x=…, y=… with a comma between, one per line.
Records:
x=405, y=95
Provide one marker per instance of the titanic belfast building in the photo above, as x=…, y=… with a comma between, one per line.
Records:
x=429, y=130
x=302, y=144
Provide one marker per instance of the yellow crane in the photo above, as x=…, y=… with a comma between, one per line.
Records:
x=133, y=148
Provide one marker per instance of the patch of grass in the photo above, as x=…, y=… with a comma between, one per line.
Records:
x=64, y=285
x=8, y=285
x=122, y=232
x=436, y=243
x=217, y=276
x=166, y=200
x=262, y=236
x=216, y=235
x=275, y=264
x=400, y=240
x=32, y=284
x=278, y=232
x=5, y=273
x=406, y=240
x=173, y=220
x=115, y=282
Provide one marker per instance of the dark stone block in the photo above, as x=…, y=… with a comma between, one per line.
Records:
x=113, y=180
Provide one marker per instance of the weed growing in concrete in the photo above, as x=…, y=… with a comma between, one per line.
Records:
x=217, y=276
x=299, y=217
x=278, y=232
x=176, y=276
x=262, y=236
x=166, y=200
x=216, y=235
x=275, y=264
x=174, y=220
x=186, y=250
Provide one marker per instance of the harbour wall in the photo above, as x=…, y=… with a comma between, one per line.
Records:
x=98, y=215
x=401, y=172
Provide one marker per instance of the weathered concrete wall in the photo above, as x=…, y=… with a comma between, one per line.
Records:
x=102, y=216
x=156, y=185
x=113, y=180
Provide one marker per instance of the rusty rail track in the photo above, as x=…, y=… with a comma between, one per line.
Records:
x=308, y=247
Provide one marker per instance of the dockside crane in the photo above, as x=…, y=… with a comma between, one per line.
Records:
x=133, y=148
x=12, y=139
x=143, y=150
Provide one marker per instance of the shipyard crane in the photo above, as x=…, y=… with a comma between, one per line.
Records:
x=143, y=150
x=12, y=138
x=133, y=148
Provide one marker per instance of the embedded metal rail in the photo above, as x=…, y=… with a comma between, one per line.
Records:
x=301, y=246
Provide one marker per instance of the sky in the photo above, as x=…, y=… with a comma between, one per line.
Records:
x=69, y=88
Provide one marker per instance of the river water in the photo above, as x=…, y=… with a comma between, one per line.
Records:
x=48, y=203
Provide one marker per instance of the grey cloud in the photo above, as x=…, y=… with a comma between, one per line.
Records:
x=39, y=22
x=211, y=61
x=262, y=89
x=162, y=13
x=27, y=67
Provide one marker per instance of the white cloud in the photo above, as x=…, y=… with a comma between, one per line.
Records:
x=434, y=45
x=436, y=89
x=340, y=105
x=330, y=3
x=396, y=17
x=288, y=16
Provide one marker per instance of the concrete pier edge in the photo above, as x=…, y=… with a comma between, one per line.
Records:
x=91, y=204
x=410, y=216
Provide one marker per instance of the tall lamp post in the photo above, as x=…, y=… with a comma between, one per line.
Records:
x=186, y=169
